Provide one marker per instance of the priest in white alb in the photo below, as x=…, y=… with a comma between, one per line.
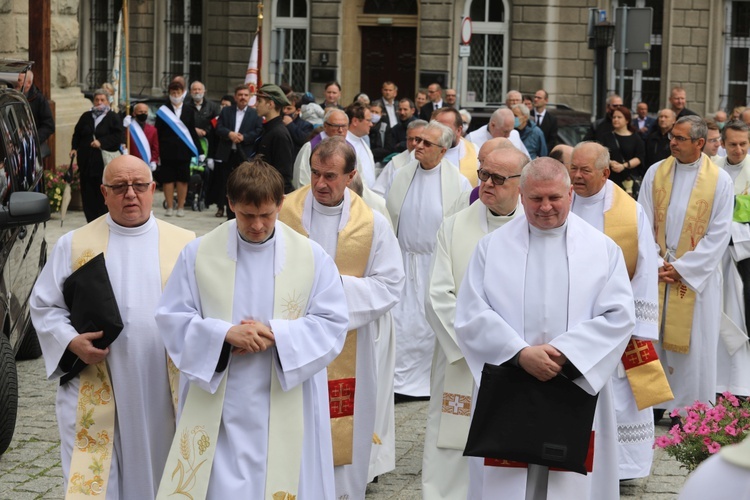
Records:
x=733, y=367
x=335, y=123
x=117, y=416
x=462, y=153
x=500, y=125
x=252, y=315
x=689, y=201
x=445, y=471
x=608, y=208
x=367, y=255
x=421, y=194
x=549, y=294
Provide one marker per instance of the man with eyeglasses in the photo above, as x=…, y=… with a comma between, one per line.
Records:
x=360, y=123
x=435, y=101
x=445, y=471
x=335, y=123
x=713, y=141
x=131, y=375
x=689, y=201
x=462, y=153
x=548, y=294
x=501, y=124
x=450, y=97
x=608, y=208
x=601, y=130
x=734, y=359
x=367, y=254
x=385, y=179
x=421, y=194
x=543, y=119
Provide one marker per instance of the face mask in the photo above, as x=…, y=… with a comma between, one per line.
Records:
x=176, y=100
x=375, y=119
x=100, y=110
x=720, y=125
x=142, y=117
x=197, y=97
x=516, y=122
x=111, y=99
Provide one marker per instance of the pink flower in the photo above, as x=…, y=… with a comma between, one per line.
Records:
x=675, y=413
x=662, y=442
x=703, y=430
x=713, y=447
x=689, y=428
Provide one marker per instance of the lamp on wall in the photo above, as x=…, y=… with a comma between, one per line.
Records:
x=323, y=58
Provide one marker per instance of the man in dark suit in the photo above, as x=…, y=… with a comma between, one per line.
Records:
x=238, y=128
x=543, y=119
x=435, y=94
x=96, y=130
x=642, y=122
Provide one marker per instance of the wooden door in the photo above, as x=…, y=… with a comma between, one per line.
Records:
x=388, y=54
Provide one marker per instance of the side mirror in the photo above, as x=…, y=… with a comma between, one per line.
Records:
x=25, y=208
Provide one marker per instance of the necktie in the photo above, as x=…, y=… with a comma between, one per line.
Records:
x=435, y=106
x=538, y=119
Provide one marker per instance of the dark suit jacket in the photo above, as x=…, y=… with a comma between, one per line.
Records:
x=549, y=128
x=171, y=147
x=250, y=128
x=381, y=139
x=110, y=135
x=649, y=125
x=426, y=112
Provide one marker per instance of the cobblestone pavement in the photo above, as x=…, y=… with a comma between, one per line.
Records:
x=30, y=469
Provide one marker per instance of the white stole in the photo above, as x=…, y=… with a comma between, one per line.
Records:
x=450, y=187
x=140, y=140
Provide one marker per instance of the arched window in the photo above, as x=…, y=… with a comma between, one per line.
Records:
x=289, y=43
x=486, y=72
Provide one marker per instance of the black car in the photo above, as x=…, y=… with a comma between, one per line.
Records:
x=24, y=208
x=572, y=125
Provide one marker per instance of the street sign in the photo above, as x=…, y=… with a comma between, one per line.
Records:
x=466, y=31
x=464, y=50
x=634, y=38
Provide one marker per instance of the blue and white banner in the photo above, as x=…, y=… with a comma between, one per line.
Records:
x=139, y=139
x=178, y=127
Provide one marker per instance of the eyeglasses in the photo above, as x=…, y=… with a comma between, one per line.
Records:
x=336, y=125
x=715, y=139
x=427, y=143
x=120, y=189
x=678, y=138
x=497, y=179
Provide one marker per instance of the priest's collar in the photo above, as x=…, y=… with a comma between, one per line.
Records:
x=593, y=199
x=326, y=210
x=436, y=168
x=556, y=232
x=736, y=165
x=131, y=231
x=256, y=244
x=495, y=214
x=694, y=165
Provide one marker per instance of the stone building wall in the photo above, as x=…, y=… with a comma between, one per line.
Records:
x=435, y=36
x=141, y=48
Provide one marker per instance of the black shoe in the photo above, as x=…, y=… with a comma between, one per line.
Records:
x=658, y=415
x=675, y=421
x=403, y=398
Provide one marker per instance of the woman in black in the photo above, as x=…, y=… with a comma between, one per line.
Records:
x=96, y=130
x=626, y=149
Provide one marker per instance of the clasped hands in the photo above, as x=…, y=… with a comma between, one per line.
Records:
x=668, y=274
x=236, y=137
x=250, y=336
x=543, y=362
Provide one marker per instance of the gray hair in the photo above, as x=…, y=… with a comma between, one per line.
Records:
x=602, y=154
x=330, y=111
x=356, y=184
x=100, y=92
x=545, y=168
x=698, y=128
x=446, y=134
x=521, y=107
x=416, y=124
x=466, y=116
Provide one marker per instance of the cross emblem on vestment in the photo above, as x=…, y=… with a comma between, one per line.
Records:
x=639, y=354
x=456, y=405
x=341, y=402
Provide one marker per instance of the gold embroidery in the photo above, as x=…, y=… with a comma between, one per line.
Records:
x=376, y=439
x=292, y=307
x=284, y=495
x=186, y=467
x=456, y=404
x=85, y=256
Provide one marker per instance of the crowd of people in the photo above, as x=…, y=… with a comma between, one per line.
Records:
x=376, y=254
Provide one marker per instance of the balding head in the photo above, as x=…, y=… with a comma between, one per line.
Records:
x=501, y=123
x=745, y=117
x=122, y=182
x=492, y=145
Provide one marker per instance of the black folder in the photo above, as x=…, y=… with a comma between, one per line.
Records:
x=91, y=301
x=520, y=418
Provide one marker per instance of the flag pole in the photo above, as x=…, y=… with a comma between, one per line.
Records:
x=260, y=42
x=126, y=29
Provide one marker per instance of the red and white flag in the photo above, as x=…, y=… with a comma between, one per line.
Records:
x=253, y=69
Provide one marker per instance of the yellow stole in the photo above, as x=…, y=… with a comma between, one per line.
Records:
x=642, y=367
x=352, y=253
x=676, y=316
x=188, y=468
x=468, y=164
x=95, y=414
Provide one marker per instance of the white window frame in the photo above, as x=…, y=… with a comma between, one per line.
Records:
x=735, y=42
x=286, y=24
x=479, y=29
x=186, y=29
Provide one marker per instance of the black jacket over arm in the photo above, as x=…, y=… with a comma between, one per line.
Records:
x=110, y=135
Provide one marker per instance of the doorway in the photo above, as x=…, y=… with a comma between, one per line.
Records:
x=388, y=54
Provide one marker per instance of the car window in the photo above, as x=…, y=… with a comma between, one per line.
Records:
x=3, y=176
x=22, y=161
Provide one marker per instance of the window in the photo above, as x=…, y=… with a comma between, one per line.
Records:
x=736, y=91
x=485, y=75
x=105, y=15
x=644, y=85
x=289, y=44
x=184, y=40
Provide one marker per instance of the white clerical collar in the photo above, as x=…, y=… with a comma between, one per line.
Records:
x=557, y=232
x=326, y=210
x=693, y=165
x=593, y=199
x=432, y=170
x=353, y=138
x=255, y=246
x=737, y=166
x=131, y=231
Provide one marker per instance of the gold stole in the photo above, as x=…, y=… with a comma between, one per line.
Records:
x=352, y=253
x=468, y=164
x=677, y=301
x=95, y=413
x=188, y=468
x=642, y=367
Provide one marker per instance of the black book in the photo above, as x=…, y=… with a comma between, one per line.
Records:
x=520, y=418
x=91, y=301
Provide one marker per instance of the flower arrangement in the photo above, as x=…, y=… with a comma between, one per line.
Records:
x=706, y=429
x=54, y=184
